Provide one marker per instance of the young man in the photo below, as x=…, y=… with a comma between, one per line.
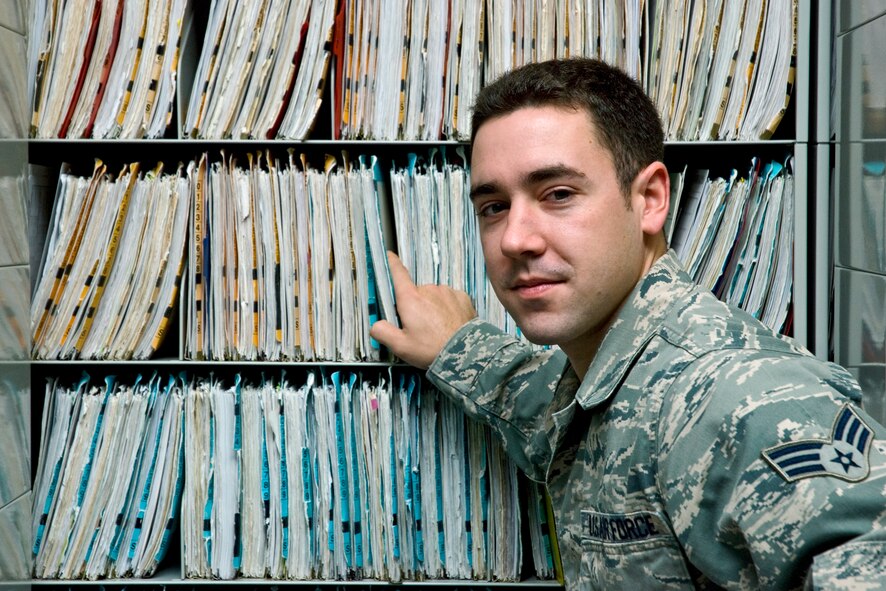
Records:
x=683, y=443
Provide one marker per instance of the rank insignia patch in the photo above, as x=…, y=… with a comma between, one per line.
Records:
x=845, y=455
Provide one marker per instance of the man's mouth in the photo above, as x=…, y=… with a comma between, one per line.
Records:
x=534, y=286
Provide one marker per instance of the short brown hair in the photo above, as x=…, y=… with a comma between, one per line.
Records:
x=625, y=119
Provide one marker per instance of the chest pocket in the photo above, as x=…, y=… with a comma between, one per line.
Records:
x=630, y=551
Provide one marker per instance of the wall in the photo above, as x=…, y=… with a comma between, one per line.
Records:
x=859, y=241
x=15, y=404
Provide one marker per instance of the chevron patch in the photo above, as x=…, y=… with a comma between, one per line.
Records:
x=844, y=456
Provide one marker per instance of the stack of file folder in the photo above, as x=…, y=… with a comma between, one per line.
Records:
x=369, y=475
x=736, y=236
x=397, y=70
x=109, y=478
x=286, y=261
x=282, y=261
x=112, y=264
x=104, y=69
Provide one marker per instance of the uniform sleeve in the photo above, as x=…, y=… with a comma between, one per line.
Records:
x=772, y=476
x=502, y=382
x=858, y=564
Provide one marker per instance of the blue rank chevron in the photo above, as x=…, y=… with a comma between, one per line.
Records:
x=844, y=456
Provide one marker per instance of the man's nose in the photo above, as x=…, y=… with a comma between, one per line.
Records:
x=523, y=234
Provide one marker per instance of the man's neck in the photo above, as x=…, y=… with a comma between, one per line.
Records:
x=581, y=352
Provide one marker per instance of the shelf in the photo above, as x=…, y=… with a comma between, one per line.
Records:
x=172, y=582
x=198, y=363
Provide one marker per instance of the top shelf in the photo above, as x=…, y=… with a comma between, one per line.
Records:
x=339, y=71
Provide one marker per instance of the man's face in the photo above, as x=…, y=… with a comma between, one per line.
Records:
x=562, y=248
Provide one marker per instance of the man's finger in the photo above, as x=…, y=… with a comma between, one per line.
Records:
x=398, y=342
x=385, y=333
x=399, y=275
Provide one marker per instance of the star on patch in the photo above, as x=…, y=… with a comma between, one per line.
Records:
x=844, y=456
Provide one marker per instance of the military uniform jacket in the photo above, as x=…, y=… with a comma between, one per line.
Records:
x=701, y=449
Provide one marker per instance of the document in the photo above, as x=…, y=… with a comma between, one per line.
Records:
x=701, y=62
x=745, y=68
x=372, y=200
x=346, y=311
x=223, y=507
x=205, y=76
x=677, y=179
x=689, y=207
x=718, y=253
x=311, y=79
x=61, y=412
x=166, y=489
x=279, y=59
x=706, y=225
x=773, y=81
x=746, y=245
x=322, y=271
x=723, y=69
x=764, y=262
x=255, y=507
x=103, y=34
x=306, y=330
x=197, y=499
x=109, y=477
x=108, y=292
x=273, y=470
x=300, y=550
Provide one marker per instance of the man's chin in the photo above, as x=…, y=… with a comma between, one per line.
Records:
x=537, y=336
x=541, y=325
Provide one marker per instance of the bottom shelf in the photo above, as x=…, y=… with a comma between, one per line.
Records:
x=170, y=578
x=323, y=476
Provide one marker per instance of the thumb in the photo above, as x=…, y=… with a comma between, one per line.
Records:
x=387, y=334
x=398, y=343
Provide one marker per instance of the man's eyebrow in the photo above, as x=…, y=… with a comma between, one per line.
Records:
x=534, y=177
x=554, y=171
x=483, y=189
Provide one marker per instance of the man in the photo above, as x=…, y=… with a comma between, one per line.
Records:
x=683, y=443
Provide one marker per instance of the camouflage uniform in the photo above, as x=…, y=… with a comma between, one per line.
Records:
x=701, y=449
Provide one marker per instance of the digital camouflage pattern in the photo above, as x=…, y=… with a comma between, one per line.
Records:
x=655, y=461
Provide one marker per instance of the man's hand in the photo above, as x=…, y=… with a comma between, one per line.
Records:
x=429, y=316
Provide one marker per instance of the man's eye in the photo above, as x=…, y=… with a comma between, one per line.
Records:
x=559, y=195
x=490, y=209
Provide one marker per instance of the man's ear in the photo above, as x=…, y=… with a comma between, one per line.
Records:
x=651, y=192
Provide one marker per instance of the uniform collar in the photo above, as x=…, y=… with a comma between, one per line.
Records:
x=636, y=322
